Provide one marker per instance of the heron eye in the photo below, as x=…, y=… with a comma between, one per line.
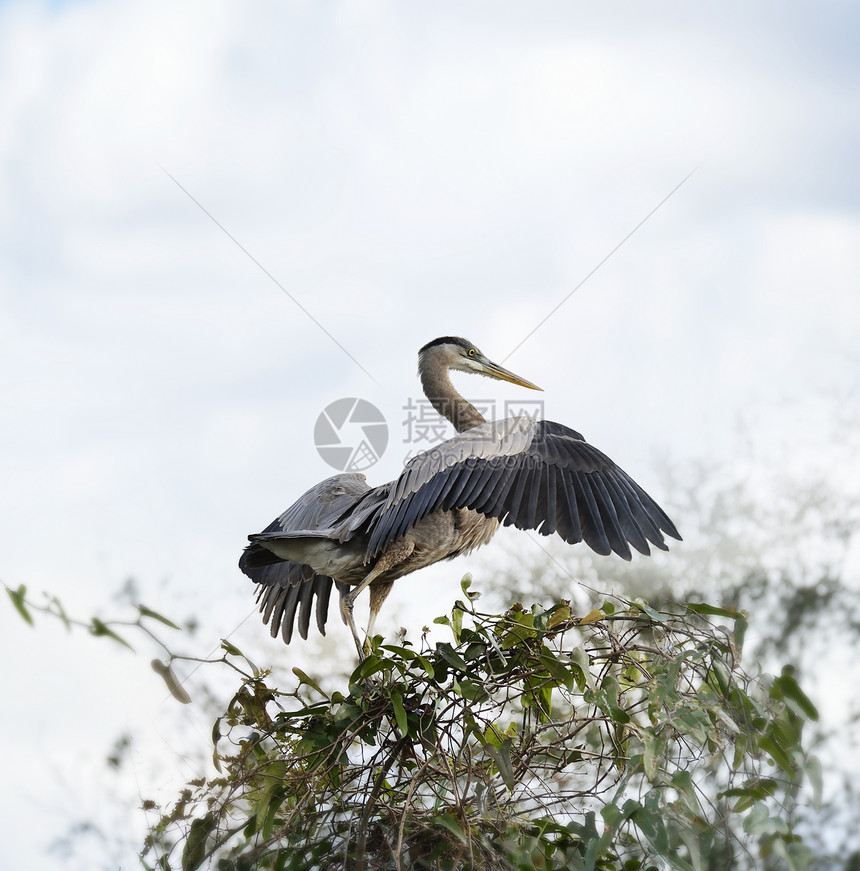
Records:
x=471, y=352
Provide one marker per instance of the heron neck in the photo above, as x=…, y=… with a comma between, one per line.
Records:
x=445, y=399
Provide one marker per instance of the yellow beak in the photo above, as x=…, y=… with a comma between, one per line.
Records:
x=488, y=367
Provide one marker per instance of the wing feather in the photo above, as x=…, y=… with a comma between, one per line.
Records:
x=549, y=486
x=609, y=512
x=593, y=532
x=322, y=587
x=530, y=474
x=492, y=504
x=270, y=599
x=478, y=480
x=567, y=511
x=305, y=607
x=292, y=604
x=461, y=484
x=518, y=491
x=648, y=512
x=529, y=513
x=629, y=516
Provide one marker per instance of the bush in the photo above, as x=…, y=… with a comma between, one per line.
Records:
x=626, y=738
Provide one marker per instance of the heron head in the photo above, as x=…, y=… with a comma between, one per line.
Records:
x=454, y=352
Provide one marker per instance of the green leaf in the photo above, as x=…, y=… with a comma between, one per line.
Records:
x=271, y=794
x=17, y=597
x=560, y=615
x=305, y=679
x=148, y=612
x=579, y=657
x=465, y=584
x=451, y=656
x=453, y=826
x=493, y=735
x=813, y=774
x=474, y=650
x=619, y=716
x=457, y=623
x=693, y=722
x=656, y=616
x=470, y=690
x=683, y=782
x=525, y=618
x=798, y=857
x=231, y=648
x=400, y=714
x=714, y=611
x=194, y=851
x=278, y=796
x=501, y=755
x=785, y=687
x=591, y=854
x=522, y=629
x=371, y=665
x=652, y=753
x=759, y=822
x=741, y=625
x=722, y=675
x=649, y=819
x=216, y=737
x=403, y=652
x=591, y=617
x=780, y=757
x=100, y=629
x=561, y=674
x=611, y=814
x=755, y=789
x=425, y=664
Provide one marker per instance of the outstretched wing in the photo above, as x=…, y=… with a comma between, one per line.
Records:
x=532, y=475
x=287, y=589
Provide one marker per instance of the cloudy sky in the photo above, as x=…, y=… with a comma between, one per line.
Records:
x=217, y=218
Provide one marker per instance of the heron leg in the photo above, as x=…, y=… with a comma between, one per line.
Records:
x=378, y=594
x=390, y=557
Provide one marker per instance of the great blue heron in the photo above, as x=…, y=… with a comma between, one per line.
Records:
x=532, y=474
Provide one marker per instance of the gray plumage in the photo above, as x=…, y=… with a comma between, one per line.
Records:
x=518, y=471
